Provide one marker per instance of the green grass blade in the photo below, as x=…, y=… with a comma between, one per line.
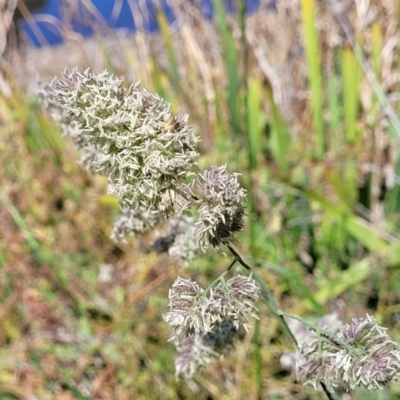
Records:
x=169, y=46
x=392, y=205
x=355, y=226
x=255, y=120
x=344, y=182
x=314, y=71
x=376, y=41
x=345, y=280
x=352, y=75
x=280, y=139
x=299, y=282
x=334, y=113
x=231, y=62
x=221, y=123
x=157, y=78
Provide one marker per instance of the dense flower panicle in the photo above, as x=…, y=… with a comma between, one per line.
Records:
x=193, y=311
x=329, y=322
x=183, y=296
x=131, y=222
x=147, y=153
x=221, y=210
x=69, y=127
x=357, y=354
x=58, y=113
x=172, y=201
x=195, y=352
x=302, y=333
x=88, y=154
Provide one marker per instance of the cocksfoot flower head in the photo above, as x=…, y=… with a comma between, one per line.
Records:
x=329, y=322
x=69, y=126
x=195, y=352
x=221, y=210
x=357, y=354
x=193, y=311
x=147, y=153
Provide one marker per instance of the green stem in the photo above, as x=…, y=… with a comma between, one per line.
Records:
x=235, y=260
x=273, y=306
x=268, y=298
x=329, y=395
x=322, y=333
x=219, y=279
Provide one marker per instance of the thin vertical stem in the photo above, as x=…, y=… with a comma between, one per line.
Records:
x=269, y=300
x=273, y=306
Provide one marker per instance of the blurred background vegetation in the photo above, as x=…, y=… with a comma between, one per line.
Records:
x=301, y=97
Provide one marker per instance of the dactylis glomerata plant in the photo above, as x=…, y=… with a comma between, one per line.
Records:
x=149, y=157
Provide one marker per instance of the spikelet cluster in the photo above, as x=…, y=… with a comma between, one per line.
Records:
x=221, y=210
x=357, y=354
x=193, y=311
x=147, y=153
x=149, y=156
x=195, y=352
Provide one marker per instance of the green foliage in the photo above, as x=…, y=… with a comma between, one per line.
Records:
x=231, y=63
x=314, y=72
x=352, y=72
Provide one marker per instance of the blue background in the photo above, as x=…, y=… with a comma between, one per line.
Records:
x=83, y=22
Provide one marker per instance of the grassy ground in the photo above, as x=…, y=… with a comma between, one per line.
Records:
x=303, y=102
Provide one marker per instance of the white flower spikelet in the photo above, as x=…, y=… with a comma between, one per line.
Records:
x=357, y=354
x=69, y=127
x=195, y=352
x=329, y=322
x=193, y=311
x=147, y=153
x=221, y=210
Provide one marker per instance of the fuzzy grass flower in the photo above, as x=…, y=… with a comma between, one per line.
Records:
x=183, y=296
x=147, y=153
x=193, y=311
x=131, y=222
x=221, y=210
x=195, y=352
x=302, y=333
x=357, y=354
x=69, y=127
